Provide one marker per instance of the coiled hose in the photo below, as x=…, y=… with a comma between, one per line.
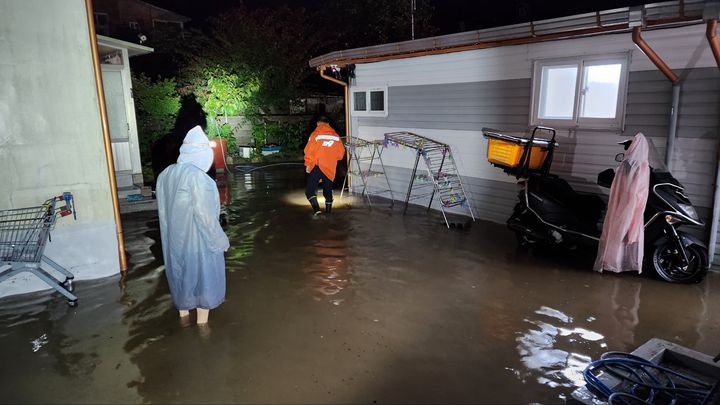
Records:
x=644, y=382
x=253, y=168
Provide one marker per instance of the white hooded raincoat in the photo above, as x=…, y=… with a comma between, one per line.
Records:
x=192, y=240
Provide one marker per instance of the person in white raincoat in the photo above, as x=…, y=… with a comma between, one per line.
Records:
x=623, y=234
x=193, y=241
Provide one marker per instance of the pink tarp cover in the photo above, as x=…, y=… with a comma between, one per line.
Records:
x=621, y=243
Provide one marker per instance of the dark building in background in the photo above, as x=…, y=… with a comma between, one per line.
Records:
x=134, y=20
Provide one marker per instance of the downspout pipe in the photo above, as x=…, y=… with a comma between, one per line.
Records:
x=321, y=69
x=714, y=39
x=715, y=46
x=106, y=133
x=715, y=214
x=346, y=90
x=675, y=80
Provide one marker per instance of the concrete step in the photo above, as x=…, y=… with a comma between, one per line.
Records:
x=125, y=191
x=147, y=204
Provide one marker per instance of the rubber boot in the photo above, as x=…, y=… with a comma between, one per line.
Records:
x=328, y=207
x=315, y=205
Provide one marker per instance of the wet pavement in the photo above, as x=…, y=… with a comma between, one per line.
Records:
x=360, y=307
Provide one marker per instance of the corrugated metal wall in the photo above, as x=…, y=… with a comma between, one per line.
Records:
x=455, y=113
x=451, y=97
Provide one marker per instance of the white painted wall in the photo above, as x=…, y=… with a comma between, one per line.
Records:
x=51, y=135
x=681, y=48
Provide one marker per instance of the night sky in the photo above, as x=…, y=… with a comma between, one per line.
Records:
x=449, y=16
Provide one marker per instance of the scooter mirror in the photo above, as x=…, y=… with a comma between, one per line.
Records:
x=626, y=143
x=619, y=157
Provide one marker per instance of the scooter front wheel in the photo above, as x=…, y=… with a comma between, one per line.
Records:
x=667, y=263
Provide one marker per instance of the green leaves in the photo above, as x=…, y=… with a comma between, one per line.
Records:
x=253, y=60
x=157, y=104
x=227, y=93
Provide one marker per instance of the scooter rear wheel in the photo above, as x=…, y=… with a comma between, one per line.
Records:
x=667, y=263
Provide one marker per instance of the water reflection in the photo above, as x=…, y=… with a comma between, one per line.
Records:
x=618, y=314
x=299, y=199
x=243, y=223
x=224, y=192
x=38, y=343
x=327, y=269
x=541, y=351
x=551, y=348
x=406, y=327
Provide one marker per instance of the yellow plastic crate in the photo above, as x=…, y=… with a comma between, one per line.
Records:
x=507, y=153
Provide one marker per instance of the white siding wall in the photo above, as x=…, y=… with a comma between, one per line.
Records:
x=681, y=48
x=451, y=97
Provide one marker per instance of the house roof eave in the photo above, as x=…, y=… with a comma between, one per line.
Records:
x=133, y=49
x=672, y=13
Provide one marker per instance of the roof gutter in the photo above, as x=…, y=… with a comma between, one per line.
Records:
x=490, y=44
x=654, y=58
x=533, y=33
x=106, y=133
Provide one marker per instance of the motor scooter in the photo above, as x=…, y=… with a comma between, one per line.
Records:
x=550, y=213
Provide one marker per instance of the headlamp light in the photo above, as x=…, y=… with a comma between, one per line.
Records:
x=689, y=210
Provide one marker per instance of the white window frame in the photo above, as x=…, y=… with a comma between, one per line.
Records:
x=161, y=21
x=367, y=112
x=102, y=29
x=581, y=62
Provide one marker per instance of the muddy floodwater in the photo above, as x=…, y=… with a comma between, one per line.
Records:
x=360, y=307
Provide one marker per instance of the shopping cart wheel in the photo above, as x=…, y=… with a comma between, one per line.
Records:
x=72, y=303
x=69, y=284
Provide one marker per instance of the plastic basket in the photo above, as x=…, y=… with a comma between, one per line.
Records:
x=508, y=154
x=506, y=150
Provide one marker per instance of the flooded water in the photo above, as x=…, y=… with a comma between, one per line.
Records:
x=364, y=306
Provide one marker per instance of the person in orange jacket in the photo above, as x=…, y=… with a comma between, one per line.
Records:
x=322, y=152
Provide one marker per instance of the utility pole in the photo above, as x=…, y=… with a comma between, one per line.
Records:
x=412, y=18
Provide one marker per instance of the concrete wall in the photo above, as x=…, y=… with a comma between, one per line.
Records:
x=451, y=97
x=50, y=133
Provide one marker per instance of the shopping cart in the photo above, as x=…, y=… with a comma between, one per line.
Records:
x=23, y=234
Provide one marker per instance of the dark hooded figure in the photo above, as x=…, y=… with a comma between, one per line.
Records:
x=165, y=151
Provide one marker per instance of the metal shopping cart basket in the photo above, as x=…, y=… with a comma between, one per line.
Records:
x=23, y=234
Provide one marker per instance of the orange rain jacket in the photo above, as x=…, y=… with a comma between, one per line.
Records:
x=324, y=149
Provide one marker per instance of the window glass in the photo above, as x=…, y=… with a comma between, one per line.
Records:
x=360, y=102
x=102, y=23
x=101, y=19
x=557, y=92
x=599, y=91
x=377, y=100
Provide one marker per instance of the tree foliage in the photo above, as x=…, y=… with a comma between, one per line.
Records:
x=157, y=104
x=268, y=48
x=254, y=61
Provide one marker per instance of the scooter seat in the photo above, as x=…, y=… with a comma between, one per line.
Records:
x=584, y=210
